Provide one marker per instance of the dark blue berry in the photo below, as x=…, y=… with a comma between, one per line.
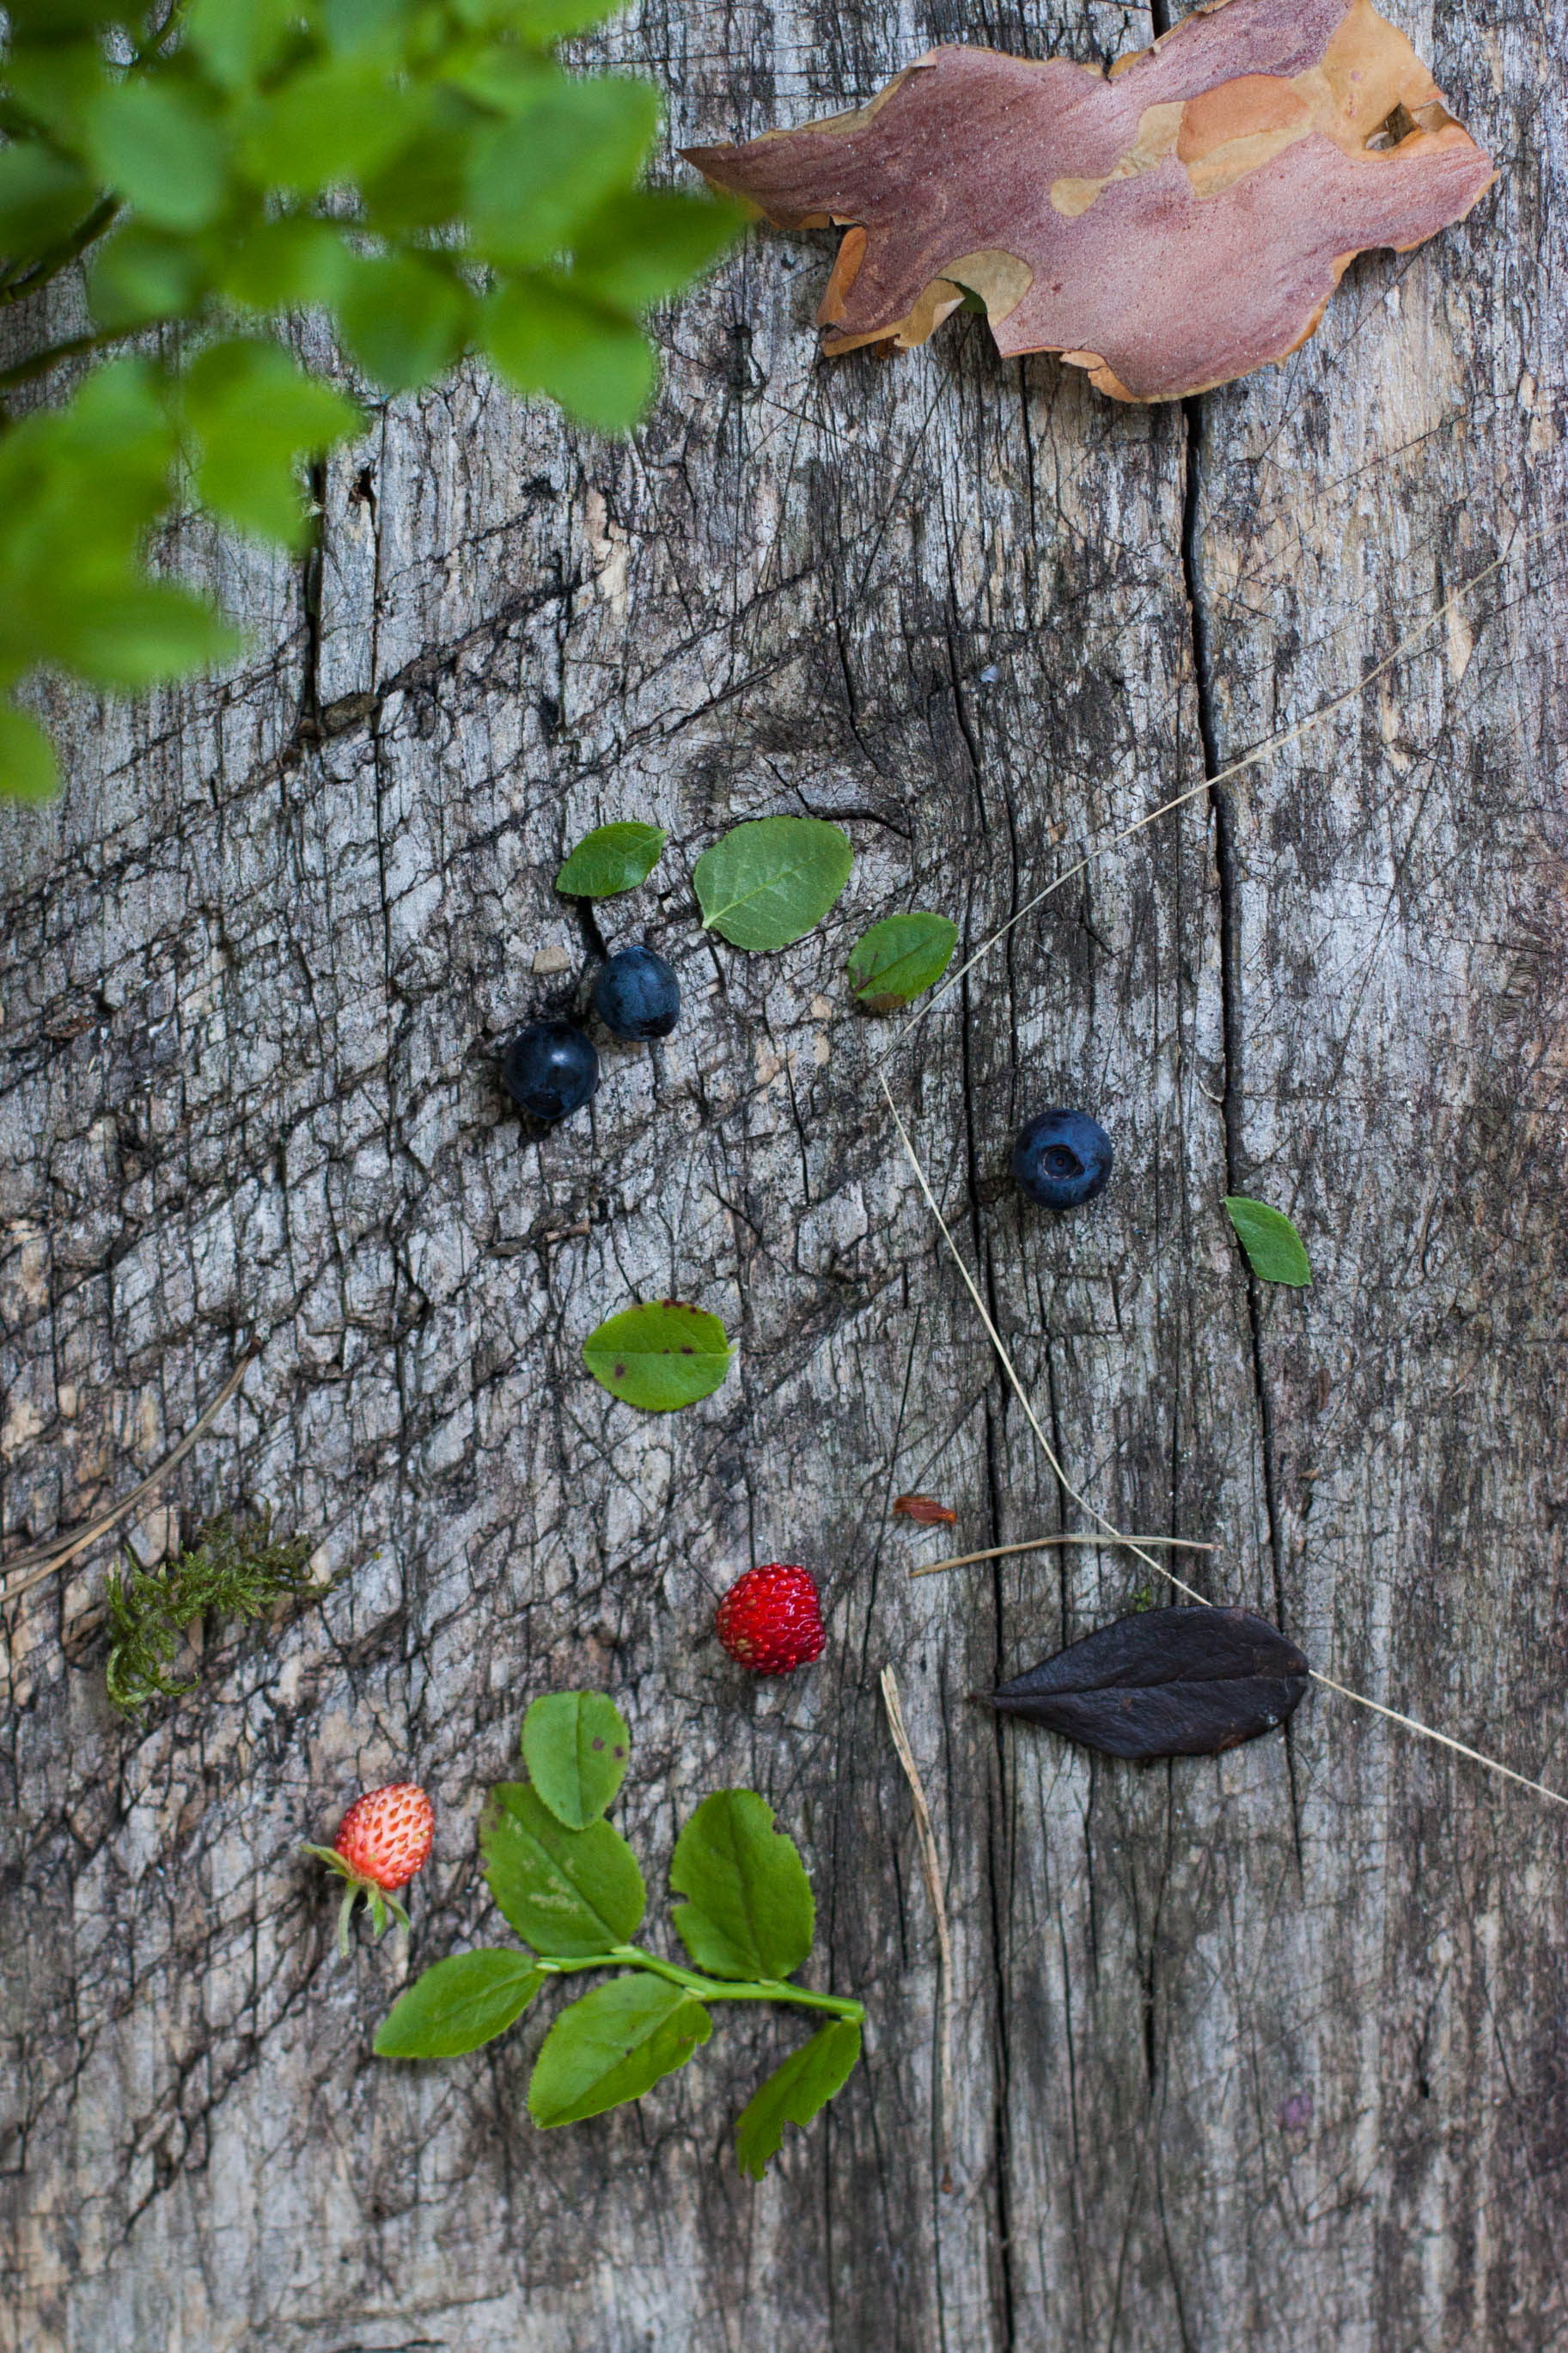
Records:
x=636, y=996
x=1062, y=1158
x=550, y=1069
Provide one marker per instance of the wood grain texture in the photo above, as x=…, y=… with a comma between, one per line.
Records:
x=1264, y=2051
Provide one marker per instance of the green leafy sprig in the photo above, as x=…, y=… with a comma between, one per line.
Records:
x=236, y=1569
x=422, y=174
x=571, y=1887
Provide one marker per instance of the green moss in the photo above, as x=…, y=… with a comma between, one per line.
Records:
x=236, y=1568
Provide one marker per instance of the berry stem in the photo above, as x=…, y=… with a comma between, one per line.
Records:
x=708, y=1989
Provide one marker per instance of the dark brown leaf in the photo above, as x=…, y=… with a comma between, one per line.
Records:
x=1164, y=1682
x=926, y=1510
x=1167, y=226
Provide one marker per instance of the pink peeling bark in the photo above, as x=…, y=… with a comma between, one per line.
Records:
x=1168, y=226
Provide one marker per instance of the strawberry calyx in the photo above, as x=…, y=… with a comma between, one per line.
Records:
x=380, y=1900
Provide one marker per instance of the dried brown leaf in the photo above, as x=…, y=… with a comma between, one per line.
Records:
x=926, y=1510
x=1168, y=226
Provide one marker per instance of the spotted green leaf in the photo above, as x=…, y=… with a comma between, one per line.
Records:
x=660, y=1356
x=575, y=1744
x=566, y=1892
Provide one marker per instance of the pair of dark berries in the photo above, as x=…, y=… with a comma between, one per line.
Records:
x=552, y=1067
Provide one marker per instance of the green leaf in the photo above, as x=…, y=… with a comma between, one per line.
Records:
x=900, y=957
x=795, y=2093
x=539, y=22
x=751, y=1912
x=41, y=197
x=255, y=416
x=329, y=124
x=612, y=2046
x=545, y=337
x=284, y=263
x=575, y=1744
x=27, y=770
x=650, y=242
x=612, y=858
x=1273, y=1247
x=767, y=882
x=660, y=1356
x=533, y=179
x=459, y=2003
x=567, y=1893
x=402, y=318
x=237, y=40
x=144, y=273
x=134, y=636
x=159, y=151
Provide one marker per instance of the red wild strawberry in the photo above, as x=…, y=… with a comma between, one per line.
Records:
x=771, y=1620
x=383, y=1840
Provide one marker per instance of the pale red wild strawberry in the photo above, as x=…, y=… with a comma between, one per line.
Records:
x=385, y=1835
x=771, y=1620
x=385, y=1838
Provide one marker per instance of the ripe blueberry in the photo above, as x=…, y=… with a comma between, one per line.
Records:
x=636, y=996
x=550, y=1069
x=1062, y=1158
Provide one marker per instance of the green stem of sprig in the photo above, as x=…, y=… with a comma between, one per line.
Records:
x=706, y=1988
x=38, y=269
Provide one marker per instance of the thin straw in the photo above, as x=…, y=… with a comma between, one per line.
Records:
x=931, y=1867
x=1259, y=752
x=1044, y=1544
x=42, y=1560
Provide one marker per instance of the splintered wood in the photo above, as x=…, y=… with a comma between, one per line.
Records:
x=1168, y=227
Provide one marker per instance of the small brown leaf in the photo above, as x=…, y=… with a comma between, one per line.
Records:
x=926, y=1510
x=1164, y=1682
x=1167, y=226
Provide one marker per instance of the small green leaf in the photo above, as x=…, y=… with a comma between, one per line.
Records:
x=41, y=197
x=571, y=141
x=403, y=317
x=567, y=1893
x=144, y=273
x=768, y=881
x=575, y=1744
x=459, y=2003
x=795, y=2093
x=328, y=124
x=132, y=636
x=900, y=957
x=1274, y=1248
x=237, y=40
x=647, y=243
x=256, y=415
x=612, y=2046
x=751, y=1912
x=660, y=1356
x=545, y=336
x=157, y=149
x=285, y=263
x=611, y=858
x=27, y=770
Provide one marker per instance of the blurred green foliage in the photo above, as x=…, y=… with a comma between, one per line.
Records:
x=423, y=172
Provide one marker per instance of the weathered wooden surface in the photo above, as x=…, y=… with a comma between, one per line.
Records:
x=1262, y=2052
